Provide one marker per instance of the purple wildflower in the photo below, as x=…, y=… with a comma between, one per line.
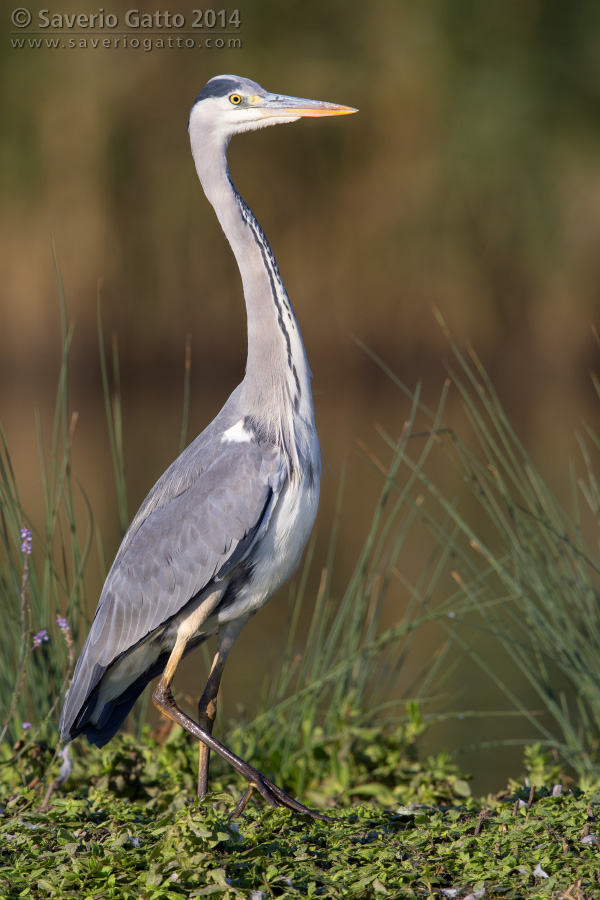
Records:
x=40, y=637
x=62, y=624
x=26, y=541
x=26, y=726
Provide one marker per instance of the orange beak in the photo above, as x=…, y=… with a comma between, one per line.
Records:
x=278, y=105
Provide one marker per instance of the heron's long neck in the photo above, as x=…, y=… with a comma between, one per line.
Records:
x=277, y=381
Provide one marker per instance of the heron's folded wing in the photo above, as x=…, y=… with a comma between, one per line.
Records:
x=192, y=538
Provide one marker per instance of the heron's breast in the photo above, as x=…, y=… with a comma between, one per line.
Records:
x=276, y=556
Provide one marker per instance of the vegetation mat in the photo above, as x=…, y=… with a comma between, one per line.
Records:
x=132, y=831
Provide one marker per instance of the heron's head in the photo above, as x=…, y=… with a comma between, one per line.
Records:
x=228, y=105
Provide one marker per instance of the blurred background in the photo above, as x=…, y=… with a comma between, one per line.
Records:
x=469, y=182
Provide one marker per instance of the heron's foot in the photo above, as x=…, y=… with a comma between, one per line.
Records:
x=274, y=796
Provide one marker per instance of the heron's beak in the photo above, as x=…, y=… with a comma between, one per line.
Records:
x=278, y=105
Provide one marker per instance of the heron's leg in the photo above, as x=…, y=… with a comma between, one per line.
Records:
x=207, y=712
x=207, y=706
x=164, y=701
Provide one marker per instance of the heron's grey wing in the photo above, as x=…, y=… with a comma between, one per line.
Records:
x=196, y=459
x=183, y=543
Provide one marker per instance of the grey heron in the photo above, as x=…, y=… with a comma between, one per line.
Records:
x=226, y=524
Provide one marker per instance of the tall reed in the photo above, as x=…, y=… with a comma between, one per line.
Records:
x=529, y=571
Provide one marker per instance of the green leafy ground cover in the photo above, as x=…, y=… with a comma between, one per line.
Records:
x=129, y=830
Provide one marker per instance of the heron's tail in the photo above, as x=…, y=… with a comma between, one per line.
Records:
x=115, y=711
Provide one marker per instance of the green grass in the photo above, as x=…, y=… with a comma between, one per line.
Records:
x=35, y=590
x=533, y=582
x=127, y=830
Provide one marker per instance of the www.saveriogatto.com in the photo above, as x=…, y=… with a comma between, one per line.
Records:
x=211, y=29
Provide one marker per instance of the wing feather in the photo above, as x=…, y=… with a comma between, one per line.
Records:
x=188, y=532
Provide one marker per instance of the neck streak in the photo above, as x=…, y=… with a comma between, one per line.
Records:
x=276, y=388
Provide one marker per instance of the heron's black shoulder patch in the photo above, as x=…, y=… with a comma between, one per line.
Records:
x=217, y=87
x=256, y=429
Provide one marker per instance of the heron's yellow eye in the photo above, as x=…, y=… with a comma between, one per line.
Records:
x=235, y=99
